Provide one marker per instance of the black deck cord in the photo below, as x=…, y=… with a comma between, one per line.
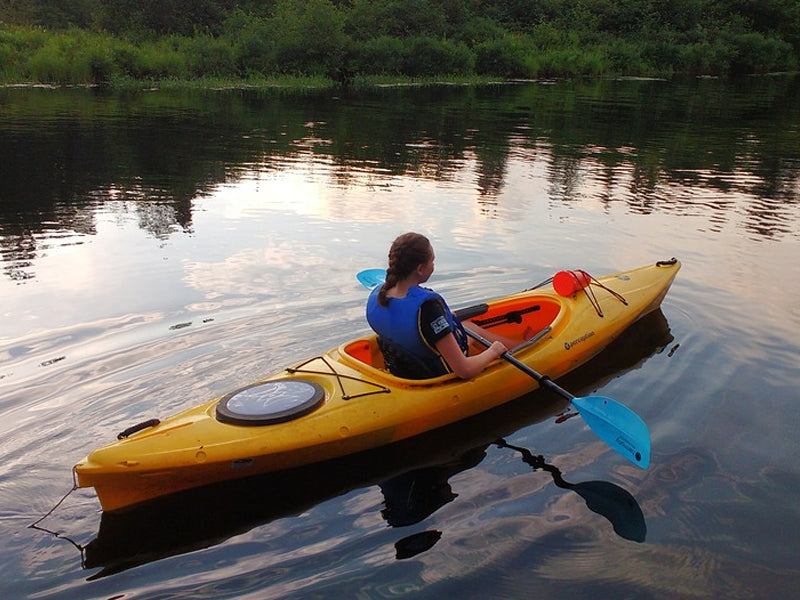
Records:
x=616, y=295
x=136, y=428
x=590, y=295
x=547, y=281
x=593, y=299
x=35, y=524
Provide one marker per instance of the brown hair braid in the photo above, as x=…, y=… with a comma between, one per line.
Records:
x=408, y=251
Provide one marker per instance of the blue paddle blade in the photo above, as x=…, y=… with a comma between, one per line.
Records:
x=371, y=278
x=618, y=426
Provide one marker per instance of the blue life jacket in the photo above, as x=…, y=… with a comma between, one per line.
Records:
x=398, y=323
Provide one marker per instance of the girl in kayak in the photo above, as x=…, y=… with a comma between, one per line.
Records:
x=418, y=334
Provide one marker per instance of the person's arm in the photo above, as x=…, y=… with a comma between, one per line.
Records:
x=467, y=367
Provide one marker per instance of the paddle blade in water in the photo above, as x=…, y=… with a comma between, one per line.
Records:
x=618, y=426
x=371, y=278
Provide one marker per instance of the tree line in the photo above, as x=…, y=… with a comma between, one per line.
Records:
x=101, y=41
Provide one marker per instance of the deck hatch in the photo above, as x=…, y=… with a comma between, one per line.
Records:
x=270, y=402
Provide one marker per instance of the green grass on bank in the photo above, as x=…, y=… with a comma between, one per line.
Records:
x=252, y=56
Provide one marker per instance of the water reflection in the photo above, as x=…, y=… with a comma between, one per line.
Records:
x=209, y=516
x=414, y=477
x=602, y=497
x=718, y=149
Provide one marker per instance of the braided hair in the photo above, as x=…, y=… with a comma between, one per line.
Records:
x=408, y=251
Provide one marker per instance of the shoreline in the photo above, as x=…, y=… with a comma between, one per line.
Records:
x=300, y=83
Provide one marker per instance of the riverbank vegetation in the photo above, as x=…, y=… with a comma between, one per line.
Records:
x=346, y=41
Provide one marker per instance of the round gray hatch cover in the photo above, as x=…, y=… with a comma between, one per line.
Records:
x=270, y=402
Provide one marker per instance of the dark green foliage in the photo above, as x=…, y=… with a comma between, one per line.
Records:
x=208, y=57
x=382, y=56
x=505, y=57
x=252, y=41
x=163, y=16
x=752, y=52
x=59, y=14
x=80, y=41
x=309, y=37
x=425, y=56
x=409, y=18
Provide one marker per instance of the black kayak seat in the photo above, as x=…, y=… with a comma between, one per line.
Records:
x=401, y=363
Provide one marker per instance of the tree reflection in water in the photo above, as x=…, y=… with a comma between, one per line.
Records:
x=701, y=147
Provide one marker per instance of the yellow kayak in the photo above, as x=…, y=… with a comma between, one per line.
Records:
x=344, y=401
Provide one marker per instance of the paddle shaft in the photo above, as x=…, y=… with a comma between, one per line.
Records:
x=616, y=424
x=540, y=379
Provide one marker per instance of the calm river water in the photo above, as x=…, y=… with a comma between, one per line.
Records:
x=160, y=248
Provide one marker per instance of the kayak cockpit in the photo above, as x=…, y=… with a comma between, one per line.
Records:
x=526, y=318
x=517, y=317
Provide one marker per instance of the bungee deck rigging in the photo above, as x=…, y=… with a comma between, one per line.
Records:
x=381, y=389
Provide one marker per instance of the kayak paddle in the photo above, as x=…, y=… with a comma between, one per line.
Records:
x=614, y=423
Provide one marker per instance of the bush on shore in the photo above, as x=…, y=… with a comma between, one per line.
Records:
x=341, y=41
